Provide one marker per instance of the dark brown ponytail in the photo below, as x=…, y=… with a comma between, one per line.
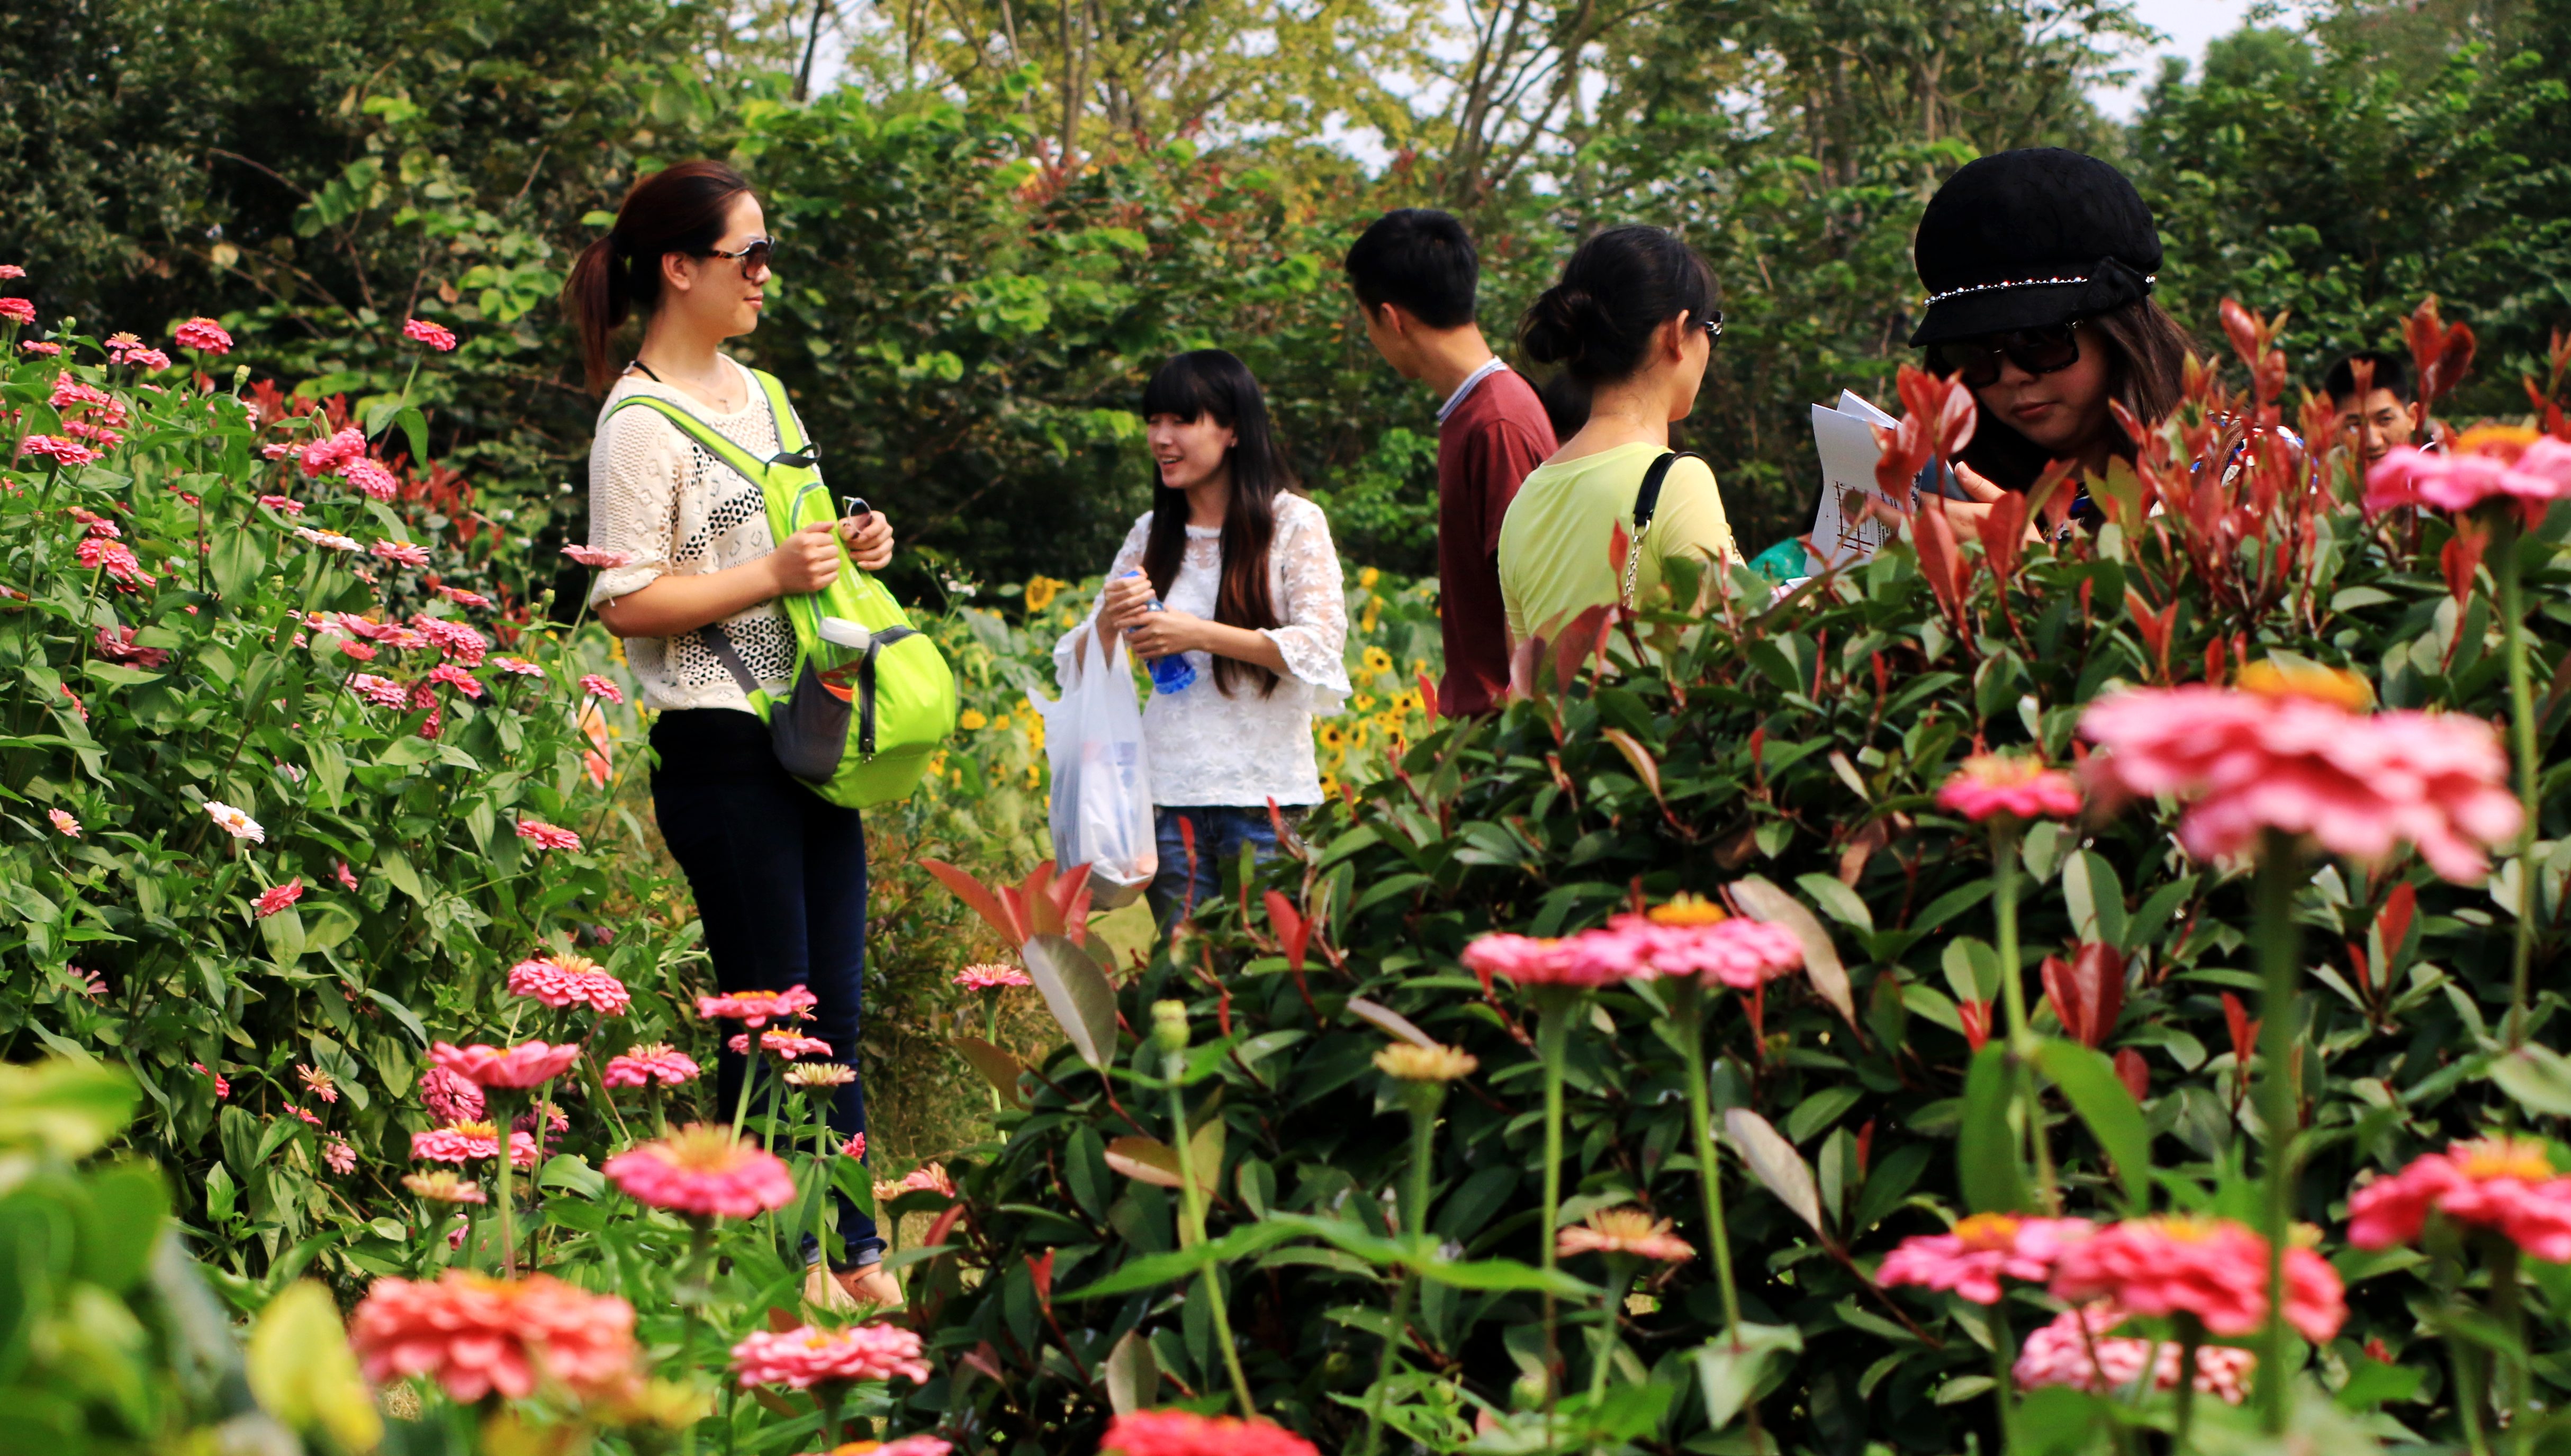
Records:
x=675, y=209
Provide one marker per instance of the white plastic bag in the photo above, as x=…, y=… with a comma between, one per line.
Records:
x=1102, y=785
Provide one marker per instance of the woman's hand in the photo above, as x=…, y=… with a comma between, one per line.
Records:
x=869, y=539
x=809, y=560
x=1125, y=602
x=1164, y=633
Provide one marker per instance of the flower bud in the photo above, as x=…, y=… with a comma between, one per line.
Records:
x=1170, y=1025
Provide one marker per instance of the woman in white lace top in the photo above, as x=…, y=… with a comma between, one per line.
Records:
x=1234, y=574
x=779, y=874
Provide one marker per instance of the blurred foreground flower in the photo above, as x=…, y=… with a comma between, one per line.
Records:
x=2506, y=1185
x=2213, y=1269
x=1630, y=1231
x=2062, y=1353
x=1184, y=1433
x=476, y=1335
x=1972, y=1258
x=2016, y=785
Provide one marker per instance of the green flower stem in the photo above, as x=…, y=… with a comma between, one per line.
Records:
x=991, y=1034
x=2022, y=1041
x=2003, y=1380
x=2522, y=715
x=1620, y=1279
x=2274, y=929
x=2472, y=1374
x=494, y=1105
x=2191, y=1338
x=692, y=1290
x=749, y=1072
x=817, y=1105
x=1687, y=1018
x=1555, y=1006
x=1192, y=1197
x=2509, y=1311
x=1422, y=1099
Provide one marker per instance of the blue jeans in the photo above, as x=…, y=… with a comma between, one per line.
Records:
x=1221, y=831
x=779, y=879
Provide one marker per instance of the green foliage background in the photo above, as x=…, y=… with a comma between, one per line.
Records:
x=966, y=320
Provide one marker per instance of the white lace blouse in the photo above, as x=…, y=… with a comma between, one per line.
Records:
x=1243, y=750
x=671, y=506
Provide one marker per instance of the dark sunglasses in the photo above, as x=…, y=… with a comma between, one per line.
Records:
x=1712, y=323
x=752, y=256
x=1977, y=361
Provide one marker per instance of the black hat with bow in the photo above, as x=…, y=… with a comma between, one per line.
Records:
x=2029, y=239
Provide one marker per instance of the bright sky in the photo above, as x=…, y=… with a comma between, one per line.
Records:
x=2185, y=25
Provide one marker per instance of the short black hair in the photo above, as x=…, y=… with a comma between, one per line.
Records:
x=1419, y=258
x=2391, y=371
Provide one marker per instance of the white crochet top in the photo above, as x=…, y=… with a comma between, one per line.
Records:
x=674, y=507
x=1241, y=751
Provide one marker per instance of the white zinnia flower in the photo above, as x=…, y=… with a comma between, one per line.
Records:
x=235, y=823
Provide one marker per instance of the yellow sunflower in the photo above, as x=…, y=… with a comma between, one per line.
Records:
x=1000, y=724
x=1376, y=660
x=1331, y=737
x=972, y=720
x=1368, y=623
x=1362, y=702
x=1367, y=577
x=1041, y=591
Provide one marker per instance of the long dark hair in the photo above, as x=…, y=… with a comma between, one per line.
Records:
x=1192, y=386
x=1618, y=289
x=675, y=209
x=2146, y=352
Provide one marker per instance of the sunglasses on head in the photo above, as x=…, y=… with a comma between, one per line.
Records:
x=1977, y=361
x=751, y=256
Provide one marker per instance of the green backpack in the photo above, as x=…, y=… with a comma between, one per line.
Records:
x=873, y=698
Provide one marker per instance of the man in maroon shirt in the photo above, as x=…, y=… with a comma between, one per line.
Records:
x=1414, y=273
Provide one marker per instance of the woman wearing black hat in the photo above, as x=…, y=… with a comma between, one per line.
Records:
x=2039, y=266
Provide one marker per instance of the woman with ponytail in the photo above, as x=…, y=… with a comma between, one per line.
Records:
x=1228, y=585
x=1632, y=325
x=779, y=874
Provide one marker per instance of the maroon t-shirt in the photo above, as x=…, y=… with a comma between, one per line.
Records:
x=1484, y=449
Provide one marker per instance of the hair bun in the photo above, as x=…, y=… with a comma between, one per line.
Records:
x=1558, y=324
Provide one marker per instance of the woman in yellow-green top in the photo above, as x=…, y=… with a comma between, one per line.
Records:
x=1633, y=322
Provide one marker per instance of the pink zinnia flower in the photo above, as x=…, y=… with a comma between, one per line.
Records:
x=569, y=981
x=928, y=1178
x=330, y=539
x=56, y=448
x=364, y=652
x=457, y=678
x=475, y=1335
x=305, y=1116
x=2016, y=784
x=755, y=1009
x=1741, y=954
x=783, y=1045
x=2213, y=1269
x=451, y=1097
x=1623, y=1231
x=440, y=340
x=222, y=1085
x=321, y=457
x=40, y=347
x=338, y=1156
x=117, y=644
x=598, y=687
x=98, y=553
x=459, y=641
x=1523, y=959
x=284, y=504
x=519, y=667
x=150, y=361
x=11, y=270
x=371, y=478
x=704, y=1172
x=278, y=897
x=381, y=692
x=546, y=837
x=471, y=1143
x=2060, y=1354
x=907, y=1446
x=592, y=556
x=17, y=310
x=463, y=598
x=1971, y=1259
x=401, y=553
x=63, y=823
x=991, y=978
x=205, y=334
x=657, y=1062
x=2507, y=1185
x=1184, y=1433
x=93, y=985
x=346, y=881
x=2507, y=463
x=528, y=1064
x=806, y=1357
x=2281, y=756
x=854, y=1147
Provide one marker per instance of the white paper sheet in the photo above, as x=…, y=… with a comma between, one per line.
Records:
x=1844, y=437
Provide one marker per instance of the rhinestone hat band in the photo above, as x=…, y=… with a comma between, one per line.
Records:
x=2147, y=280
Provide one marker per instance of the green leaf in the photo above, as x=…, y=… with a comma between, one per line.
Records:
x=1732, y=1367
x=67, y=1107
x=1986, y=1146
x=302, y=1371
x=2089, y=1080
x=128, y=1204
x=1078, y=993
x=2537, y=1077
x=1775, y=1163
x=236, y=560
x=1765, y=901
x=414, y=430
x=1153, y=1270
x=997, y=1067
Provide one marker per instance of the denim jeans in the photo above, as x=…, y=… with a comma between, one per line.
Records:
x=779, y=878
x=1221, y=831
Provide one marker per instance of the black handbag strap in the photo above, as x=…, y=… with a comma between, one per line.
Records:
x=1647, y=503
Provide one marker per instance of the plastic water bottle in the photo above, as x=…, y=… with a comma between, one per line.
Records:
x=1171, y=674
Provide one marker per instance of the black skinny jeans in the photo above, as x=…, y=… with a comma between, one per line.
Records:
x=779, y=878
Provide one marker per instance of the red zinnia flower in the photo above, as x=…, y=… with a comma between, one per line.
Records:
x=2213, y=1269
x=475, y=1335
x=440, y=340
x=2503, y=1183
x=278, y=897
x=203, y=335
x=528, y=1064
